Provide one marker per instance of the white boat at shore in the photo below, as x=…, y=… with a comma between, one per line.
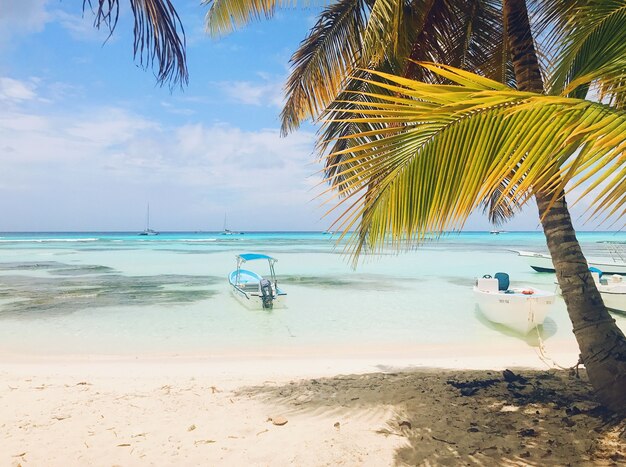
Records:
x=612, y=290
x=541, y=262
x=252, y=289
x=520, y=309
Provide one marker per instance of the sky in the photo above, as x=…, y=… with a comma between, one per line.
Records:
x=88, y=140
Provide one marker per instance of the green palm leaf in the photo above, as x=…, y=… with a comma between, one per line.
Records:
x=323, y=60
x=440, y=151
x=591, y=42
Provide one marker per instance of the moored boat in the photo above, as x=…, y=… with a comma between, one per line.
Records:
x=612, y=290
x=253, y=289
x=541, y=262
x=520, y=309
x=148, y=230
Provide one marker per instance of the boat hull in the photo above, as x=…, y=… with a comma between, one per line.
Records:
x=543, y=263
x=613, y=296
x=517, y=311
x=254, y=302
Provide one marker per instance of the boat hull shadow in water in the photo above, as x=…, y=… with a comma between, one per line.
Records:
x=520, y=309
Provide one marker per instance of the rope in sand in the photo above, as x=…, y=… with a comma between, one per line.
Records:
x=543, y=354
x=545, y=358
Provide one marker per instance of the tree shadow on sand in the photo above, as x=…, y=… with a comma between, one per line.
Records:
x=470, y=417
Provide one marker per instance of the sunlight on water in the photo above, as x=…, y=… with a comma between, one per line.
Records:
x=120, y=293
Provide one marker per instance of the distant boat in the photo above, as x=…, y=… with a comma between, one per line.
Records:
x=227, y=231
x=520, y=309
x=497, y=232
x=148, y=230
x=251, y=288
x=543, y=263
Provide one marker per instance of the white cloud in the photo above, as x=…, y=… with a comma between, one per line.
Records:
x=267, y=94
x=22, y=17
x=14, y=90
x=68, y=162
x=81, y=27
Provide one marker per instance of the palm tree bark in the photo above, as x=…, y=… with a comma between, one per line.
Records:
x=602, y=344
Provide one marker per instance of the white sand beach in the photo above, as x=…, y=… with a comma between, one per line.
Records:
x=65, y=411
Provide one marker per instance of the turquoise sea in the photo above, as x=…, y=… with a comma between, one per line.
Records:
x=123, y=294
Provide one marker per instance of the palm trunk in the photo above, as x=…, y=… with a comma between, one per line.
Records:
x=602, y=344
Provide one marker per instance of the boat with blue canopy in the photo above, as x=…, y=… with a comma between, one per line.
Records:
x=253, y=289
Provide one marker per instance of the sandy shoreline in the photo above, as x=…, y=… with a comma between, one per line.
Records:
x=349, y=410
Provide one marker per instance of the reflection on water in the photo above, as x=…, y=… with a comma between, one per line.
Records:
x=533, y=338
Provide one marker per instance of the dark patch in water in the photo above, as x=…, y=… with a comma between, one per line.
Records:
x=460, y=281
x=37, y=296
x=82, y=270
x=354, y=282
x=34, y=266
x=57, y=268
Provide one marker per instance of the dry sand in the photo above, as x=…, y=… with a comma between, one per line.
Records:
x=64, y=412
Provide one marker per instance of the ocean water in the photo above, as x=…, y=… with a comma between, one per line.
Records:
x=124, y=294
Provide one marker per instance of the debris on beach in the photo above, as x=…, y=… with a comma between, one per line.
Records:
x=278, y=420
x=469, y=388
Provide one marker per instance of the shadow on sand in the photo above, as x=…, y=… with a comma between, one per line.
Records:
x=465, y=417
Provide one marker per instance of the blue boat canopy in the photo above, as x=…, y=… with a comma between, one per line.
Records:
x=253, y=256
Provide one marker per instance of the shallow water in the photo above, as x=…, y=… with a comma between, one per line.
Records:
x=119, y=293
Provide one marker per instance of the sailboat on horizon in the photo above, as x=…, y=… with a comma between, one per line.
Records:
x=148, y=230
x=227, y=231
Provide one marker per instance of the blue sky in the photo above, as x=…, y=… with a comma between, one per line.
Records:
x=87, y=139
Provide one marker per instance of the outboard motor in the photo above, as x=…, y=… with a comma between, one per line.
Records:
x=266, y=293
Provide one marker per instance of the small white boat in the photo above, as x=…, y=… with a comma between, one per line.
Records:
x=613, y=291
x=520, y=309
x=252, y=289
x=543, y=263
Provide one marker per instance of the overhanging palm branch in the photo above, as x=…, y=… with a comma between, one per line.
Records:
x=467, y=34
x=591, y=40
x=352, y=34
x=323, y=60
x=159, y=35
x=440, y=151
x=224, y=16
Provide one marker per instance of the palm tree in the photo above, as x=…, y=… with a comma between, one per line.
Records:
x=373, y=152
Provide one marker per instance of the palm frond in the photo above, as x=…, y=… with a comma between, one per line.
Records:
x=375, y=33
x=224, y=16
x=385, y=26
x=467, y=34
x=440, y=151
x=159, y=35
x=322, y=61
x=591, y=40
